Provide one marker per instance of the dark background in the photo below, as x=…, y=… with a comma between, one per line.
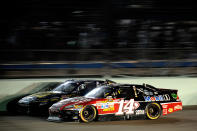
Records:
x=97, y=30
x=97, y=24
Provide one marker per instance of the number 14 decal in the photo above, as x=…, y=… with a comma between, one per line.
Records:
x=128, y=108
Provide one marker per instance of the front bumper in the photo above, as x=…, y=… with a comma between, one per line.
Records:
x=32, y=108
x=63, y=115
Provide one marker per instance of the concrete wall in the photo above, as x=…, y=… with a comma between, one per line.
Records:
x=187, y=87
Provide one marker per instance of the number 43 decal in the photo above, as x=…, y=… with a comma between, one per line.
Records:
x=128, y=108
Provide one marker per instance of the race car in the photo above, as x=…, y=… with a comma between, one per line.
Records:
x=117, y=100
x=39, y=103
x=11, y=106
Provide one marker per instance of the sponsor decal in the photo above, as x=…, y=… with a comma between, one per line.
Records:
x=170, y=110
x=157, y=98
x=104, y=101
x=139, y=112
x=104, y=106
x=110, y=100
x=153, y=98
x=174, y=95
x=164, y=106
x=78, y=106
x=161, y=98
x=165, y=111
x=109, y=109
x=171, y=107
x=165, y=97
x=147, y=98
x=98, y=107
x=178, y=107
x=98, y=104
x=117, y=100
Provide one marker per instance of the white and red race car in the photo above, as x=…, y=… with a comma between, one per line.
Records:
x=121, y=100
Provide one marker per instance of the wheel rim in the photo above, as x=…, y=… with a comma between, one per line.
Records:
x=88, y=113
x=153, y=111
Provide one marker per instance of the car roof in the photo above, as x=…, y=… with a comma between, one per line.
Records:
x=129, y=85
x=76, y=80
x=86, y=80
x=119, y=85
x=145, y=86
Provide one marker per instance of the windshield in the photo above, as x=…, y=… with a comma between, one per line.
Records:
x=66, y=87
x=50, y=86
x=99, y=92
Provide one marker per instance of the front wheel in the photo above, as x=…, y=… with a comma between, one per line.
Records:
x=153, y=111
x=88, y=113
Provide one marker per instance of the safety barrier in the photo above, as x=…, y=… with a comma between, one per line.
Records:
x=186, y=86
x=132, y=64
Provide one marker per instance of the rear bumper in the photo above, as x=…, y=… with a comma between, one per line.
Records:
x=171, y=107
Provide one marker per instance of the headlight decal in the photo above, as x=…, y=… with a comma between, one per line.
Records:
x=78, y=106
x=27, y=99
x=68, y=107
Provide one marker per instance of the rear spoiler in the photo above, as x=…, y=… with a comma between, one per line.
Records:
x=172, y=92
x=162, y=89
x=159, y=89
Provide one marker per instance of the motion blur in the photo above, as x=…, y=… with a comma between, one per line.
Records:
x=130, y=37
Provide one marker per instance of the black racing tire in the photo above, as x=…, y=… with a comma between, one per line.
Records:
x=153, y=111
x=88, y=113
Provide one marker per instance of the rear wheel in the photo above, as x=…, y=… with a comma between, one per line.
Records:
x=153, y=111
x=88, y=113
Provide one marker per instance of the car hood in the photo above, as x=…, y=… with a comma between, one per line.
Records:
x=46, y=94
x=40, y=96
x=70, y=101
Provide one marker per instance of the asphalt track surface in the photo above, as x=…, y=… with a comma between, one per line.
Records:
x=185, y=120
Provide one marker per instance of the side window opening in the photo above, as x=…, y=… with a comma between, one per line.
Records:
x=87, y=87
x=126, y=93
x=142, y=90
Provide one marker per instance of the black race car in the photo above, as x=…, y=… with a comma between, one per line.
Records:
x=117, y=101
x=11, y=106
x=39, y=103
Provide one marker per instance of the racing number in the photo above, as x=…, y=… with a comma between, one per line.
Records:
x=128, y=108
